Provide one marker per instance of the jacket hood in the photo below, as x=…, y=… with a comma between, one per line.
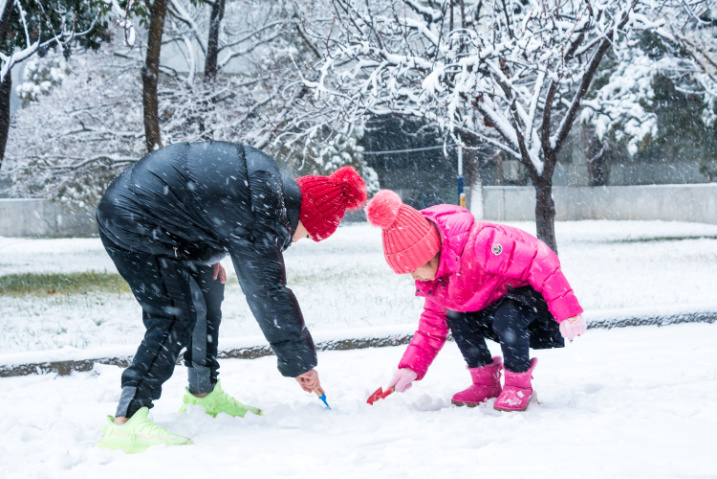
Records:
x=292, y=201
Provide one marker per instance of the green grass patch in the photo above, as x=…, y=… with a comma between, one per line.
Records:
x=48, y=284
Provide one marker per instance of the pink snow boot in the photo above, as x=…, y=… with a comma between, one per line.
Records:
x=517, y=391
x=486, y=385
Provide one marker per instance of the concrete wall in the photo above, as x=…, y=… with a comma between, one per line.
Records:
x=633, y=173
x=692, y=203
x=43, y=218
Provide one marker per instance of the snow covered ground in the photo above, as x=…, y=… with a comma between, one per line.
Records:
x=344, y=284
x=627, y=403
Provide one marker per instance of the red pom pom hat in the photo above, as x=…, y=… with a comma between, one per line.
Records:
x=325, y=199
x=409, y=239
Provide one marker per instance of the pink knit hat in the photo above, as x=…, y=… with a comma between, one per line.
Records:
x=409, y=239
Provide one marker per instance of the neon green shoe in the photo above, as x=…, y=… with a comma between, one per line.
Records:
x=218, y=401
x=138, y=434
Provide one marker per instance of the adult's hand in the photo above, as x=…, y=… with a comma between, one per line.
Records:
x=219, y=273
x=309, y=381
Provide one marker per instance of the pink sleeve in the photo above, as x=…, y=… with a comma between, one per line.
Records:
x=427, y=341
x=513, y=253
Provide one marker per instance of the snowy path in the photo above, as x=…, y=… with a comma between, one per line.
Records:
x=634, y=402
x=344, y=283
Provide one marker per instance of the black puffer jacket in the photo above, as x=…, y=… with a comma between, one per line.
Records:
x=195, y=201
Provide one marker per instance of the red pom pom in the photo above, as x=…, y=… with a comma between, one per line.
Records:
x=354, y=186
x=382, y=210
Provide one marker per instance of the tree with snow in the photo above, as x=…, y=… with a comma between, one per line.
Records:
x=28, y=27
x=671, y=66
x=511, y=74
x=94, y=122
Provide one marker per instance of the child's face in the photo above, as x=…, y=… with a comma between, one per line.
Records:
x=427, y=272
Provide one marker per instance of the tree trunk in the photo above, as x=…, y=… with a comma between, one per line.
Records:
x=150, y=76
x=545, y=212
x=5, y=18
x=596, y=158
x=598, y=168
x=5, y=84
x=210, y=64
x=5, y=93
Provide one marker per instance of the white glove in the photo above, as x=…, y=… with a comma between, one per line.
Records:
x=403, y=379
x=573, y=327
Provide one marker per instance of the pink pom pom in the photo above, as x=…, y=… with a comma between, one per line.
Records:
x=382, y=210
x=354, y=186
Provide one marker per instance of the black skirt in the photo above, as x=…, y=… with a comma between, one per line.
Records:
x=544, y=330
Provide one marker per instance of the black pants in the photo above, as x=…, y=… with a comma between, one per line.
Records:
x=181, y=307
x=518, y=321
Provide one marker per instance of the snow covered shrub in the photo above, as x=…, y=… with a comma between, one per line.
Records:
x=325, y=151
x=73, y=140
x=41, y=75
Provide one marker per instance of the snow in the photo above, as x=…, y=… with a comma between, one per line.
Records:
x=346, y=289
x=627, y=402
x=632, y=402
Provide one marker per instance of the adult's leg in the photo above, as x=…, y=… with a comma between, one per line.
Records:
x=469, y=334
x=161, y=286
x=201, y=355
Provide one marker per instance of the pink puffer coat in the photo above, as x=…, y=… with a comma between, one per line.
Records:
x=479, y=261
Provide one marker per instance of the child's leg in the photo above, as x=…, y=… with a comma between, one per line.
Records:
x=201, y=354
x=469, y=334
x=161, y=287
x=510, y=322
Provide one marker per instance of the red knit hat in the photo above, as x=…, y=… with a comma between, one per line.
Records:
x=324, y=200
x=409, y=239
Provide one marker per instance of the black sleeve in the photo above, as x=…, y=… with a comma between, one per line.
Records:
x=260, y=267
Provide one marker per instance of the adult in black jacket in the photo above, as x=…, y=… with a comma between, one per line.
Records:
x=168, y=219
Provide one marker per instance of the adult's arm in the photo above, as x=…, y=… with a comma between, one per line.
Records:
x=260, y=269
x=259, y=263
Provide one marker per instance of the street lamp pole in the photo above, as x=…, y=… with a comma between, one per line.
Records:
x=461, y=194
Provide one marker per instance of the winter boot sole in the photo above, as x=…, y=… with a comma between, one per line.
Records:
x=533, y=398
x=467, y=404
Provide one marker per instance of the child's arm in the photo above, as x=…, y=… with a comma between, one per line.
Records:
x=427, y=341
x=513, y=253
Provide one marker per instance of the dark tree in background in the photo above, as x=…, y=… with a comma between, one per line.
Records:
x=682, y=135
x=210, y=64
x=150, y=75
x=29, y=27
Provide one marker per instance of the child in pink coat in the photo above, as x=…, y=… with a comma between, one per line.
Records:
x=480, y=280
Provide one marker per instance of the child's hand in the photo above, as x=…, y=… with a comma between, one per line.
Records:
x=403, y=379
x=309, y=381
x=573, y=327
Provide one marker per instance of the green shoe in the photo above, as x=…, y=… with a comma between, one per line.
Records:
x=138, y=434
x=218, y=401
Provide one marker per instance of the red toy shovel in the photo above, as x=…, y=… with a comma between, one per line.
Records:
x=379, y=394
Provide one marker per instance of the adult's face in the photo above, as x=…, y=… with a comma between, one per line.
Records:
x=300, y=233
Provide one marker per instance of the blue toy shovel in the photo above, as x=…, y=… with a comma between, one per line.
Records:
x=322, y=395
